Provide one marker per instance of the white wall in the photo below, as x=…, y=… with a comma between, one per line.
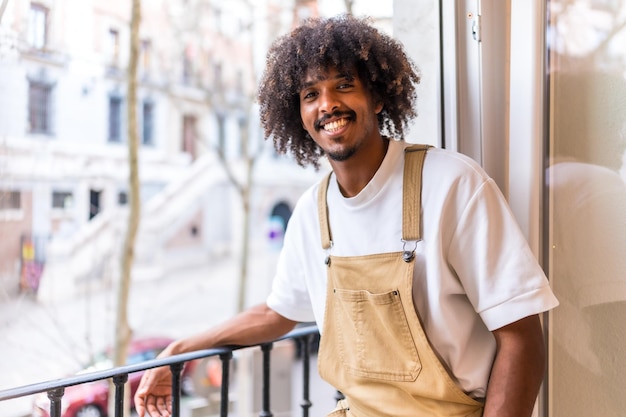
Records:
x=416, y=25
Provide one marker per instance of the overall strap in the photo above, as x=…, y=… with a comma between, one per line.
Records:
x=412, y=192
x=411, y=197
x=322, y=209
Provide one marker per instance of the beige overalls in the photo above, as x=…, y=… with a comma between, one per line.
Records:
x=373, y=347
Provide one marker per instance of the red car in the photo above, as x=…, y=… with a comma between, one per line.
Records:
x=91, y=400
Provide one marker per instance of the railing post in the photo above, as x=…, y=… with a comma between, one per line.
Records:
x=176, y=369
x=266, y=349
x=224, y=389
x=55, y=401
x=119, y=382
x=306, y=401
x=119, y=377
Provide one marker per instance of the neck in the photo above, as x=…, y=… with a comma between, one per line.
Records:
x=355, y=173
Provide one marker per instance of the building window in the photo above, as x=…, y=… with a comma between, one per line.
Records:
x=39, y=107
x=62, y=200
x=115, y=119
x=148, y=123
x=95, y=202
x=239, y=82
x=113, y=47
x=146, y=55
x=122, y=198
x=37, y=26
x=218, y=19
x=217, y=74
x=190, y=135
x=10, y=200
x=187, y=68
x=244, y=140
x=221, y=133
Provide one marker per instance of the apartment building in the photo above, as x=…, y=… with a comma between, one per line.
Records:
x=63, y=136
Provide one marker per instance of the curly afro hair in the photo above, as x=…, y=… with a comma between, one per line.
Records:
x=346, y=43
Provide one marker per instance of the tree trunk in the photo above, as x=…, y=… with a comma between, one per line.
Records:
x=245, y=243
x=122, y=327
x=349, y=4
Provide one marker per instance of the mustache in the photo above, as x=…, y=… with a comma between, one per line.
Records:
x=338, y=114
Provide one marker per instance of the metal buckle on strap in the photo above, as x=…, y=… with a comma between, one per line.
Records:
x=408, y=255
x=327, y=260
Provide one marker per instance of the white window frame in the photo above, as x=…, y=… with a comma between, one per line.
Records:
x=493, y=97
x=492, y=94
x=38, y=26
x=527, y=126
x=497, y=104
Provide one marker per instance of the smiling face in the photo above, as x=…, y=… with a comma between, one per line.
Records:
x=338, y=113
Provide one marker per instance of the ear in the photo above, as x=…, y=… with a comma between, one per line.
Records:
x=379, y=107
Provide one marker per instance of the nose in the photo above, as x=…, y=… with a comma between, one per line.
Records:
x=328, y=101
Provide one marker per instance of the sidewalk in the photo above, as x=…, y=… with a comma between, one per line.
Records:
x=44, y=342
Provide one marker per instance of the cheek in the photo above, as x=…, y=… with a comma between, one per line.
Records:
x=307, y=119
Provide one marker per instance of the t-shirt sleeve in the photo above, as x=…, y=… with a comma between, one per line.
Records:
x=290, y=296
x=494, y=263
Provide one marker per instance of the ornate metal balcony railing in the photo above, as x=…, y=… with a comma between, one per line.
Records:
x=303, y=336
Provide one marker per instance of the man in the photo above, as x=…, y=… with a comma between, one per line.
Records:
x=427, y=309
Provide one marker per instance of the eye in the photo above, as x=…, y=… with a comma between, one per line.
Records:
x=308, y=95
x=345, y=84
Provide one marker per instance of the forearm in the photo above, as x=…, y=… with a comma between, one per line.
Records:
x=517, y=371
x=256, y=325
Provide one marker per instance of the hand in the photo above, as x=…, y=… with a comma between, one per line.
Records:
x=154, y=394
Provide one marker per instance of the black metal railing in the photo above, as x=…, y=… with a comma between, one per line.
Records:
x=305, y=337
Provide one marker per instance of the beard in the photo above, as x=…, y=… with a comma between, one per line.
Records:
x=342, y=155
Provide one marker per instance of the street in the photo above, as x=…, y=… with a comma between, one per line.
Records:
x=43, y=342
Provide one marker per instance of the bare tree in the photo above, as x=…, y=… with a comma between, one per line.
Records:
x=249, y=156
x=244, y=185
x=244, y=189
x=219, y=99
x=349, y=4
x=122, y=327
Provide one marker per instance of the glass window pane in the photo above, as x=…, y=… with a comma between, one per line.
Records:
x=148, y=123
x=37, y=29
x=39, y=107
x=62, y=199
x=587, y=207
x=115, y=119
x=10, y=200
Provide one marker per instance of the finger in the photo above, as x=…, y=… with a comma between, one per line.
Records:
x=151, y=407
x=139, y=406
x=162, y=406
x=140, y=400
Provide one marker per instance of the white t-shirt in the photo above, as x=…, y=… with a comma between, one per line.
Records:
x=473, y=258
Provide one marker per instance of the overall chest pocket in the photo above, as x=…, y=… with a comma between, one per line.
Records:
x=374, y=338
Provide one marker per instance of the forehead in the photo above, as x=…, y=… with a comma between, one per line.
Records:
x=314, y=75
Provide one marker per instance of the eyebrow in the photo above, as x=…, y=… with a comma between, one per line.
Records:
x=343, y=75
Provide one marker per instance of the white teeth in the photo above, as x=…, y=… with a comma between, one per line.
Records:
x=337, y=124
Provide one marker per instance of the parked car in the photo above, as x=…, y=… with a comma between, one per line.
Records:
x=91, y=400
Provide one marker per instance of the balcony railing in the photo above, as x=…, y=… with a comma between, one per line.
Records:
x=305, y=338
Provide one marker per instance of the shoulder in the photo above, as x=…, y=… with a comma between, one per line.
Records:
x=444, y=159
x=452, y=173
x=456, y=162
